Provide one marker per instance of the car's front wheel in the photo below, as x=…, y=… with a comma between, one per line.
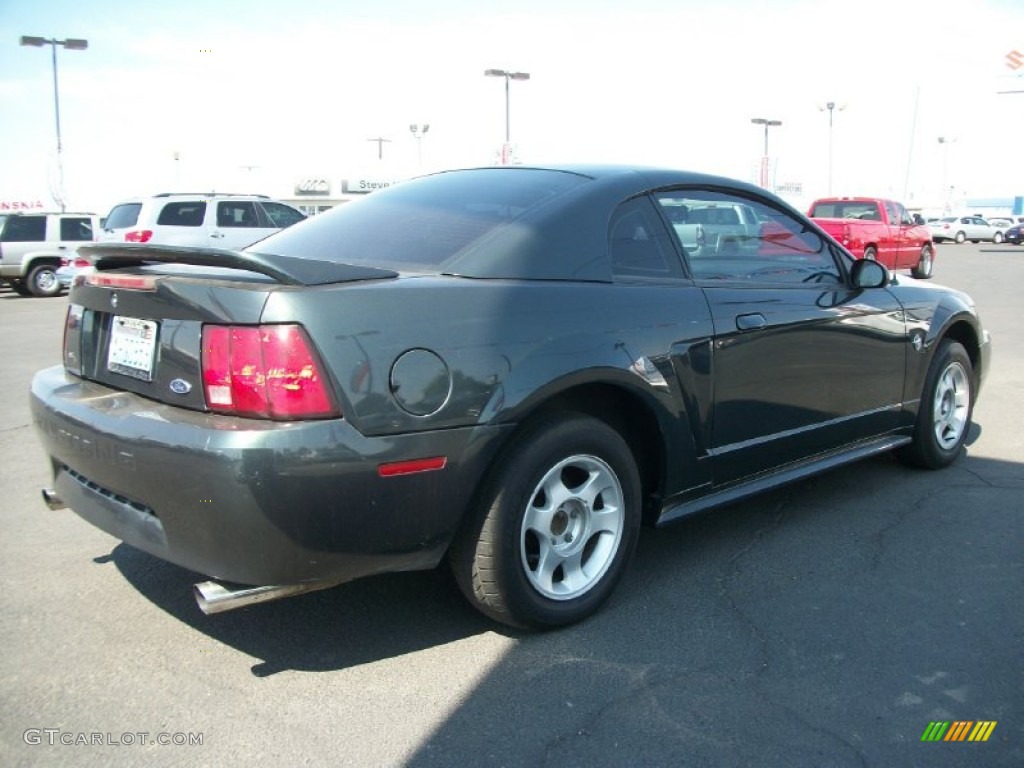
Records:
x=944, y=415
x=997, y=238
x=555, y=528
x=871, y=253
x=960, y=237
x=42, y=281
x=925, y=263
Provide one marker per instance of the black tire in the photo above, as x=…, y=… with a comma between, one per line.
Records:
x=960, y=237
x=20, y=288
x=871, y=253
x=514, y=575
x=925, y=264
x=42, y=281
x=997, y=238
x=944, y=415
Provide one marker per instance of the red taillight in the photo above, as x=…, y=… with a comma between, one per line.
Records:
x=138, y=236
x=266, y=371
x=844, y=237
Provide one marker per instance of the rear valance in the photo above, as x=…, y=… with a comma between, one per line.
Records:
x=289, y=270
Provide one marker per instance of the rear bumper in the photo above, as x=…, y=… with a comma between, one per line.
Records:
x=248, y=501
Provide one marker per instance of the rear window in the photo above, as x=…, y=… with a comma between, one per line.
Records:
x=846, y=210
x=190, y=214
x=123, y=216
x=24, y=229
x=423, y=223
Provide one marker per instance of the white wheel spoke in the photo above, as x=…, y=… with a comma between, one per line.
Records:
x=606, y=520
x=547, y=564
x=573, y=577
x=538, y=519
x=594, y=486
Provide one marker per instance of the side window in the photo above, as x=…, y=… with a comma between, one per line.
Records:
x=25, y=229
x=281, y=215
x=771, y=246
x=893, y=213
x=237, y=213
x=638, y=243
x=190, y=214
x=75, y=229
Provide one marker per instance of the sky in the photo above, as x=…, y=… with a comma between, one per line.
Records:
x=252, y=96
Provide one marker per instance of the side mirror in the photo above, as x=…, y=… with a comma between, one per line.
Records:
x=869, y=274
x=919, y=219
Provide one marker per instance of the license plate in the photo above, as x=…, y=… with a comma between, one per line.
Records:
x=132, y=347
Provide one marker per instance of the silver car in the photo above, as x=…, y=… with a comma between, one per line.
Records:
x=960, y=228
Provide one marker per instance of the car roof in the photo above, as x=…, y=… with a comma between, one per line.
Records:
x=49, y=213
x=168, y=195
x=561, y=238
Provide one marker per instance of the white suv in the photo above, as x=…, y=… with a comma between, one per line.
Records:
x=213, y=220
x=32, y=246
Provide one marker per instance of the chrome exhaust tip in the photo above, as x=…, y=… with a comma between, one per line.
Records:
x=52, y=500
x=214, y=597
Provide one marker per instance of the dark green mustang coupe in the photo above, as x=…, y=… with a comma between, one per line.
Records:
x=511, y=368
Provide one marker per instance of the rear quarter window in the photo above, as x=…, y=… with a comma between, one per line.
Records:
x=190, y=214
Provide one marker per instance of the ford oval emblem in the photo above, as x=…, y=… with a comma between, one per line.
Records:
x=113, y=300
x=180, y=387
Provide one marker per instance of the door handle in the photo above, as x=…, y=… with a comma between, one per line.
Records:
x=217, y=234
x=752, y=322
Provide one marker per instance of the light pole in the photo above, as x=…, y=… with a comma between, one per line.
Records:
x=944, y=142
x=765, y=163
x=380, y=146
x=418, y=131
x=508, y=76
x=72, y=44
x=830, y=106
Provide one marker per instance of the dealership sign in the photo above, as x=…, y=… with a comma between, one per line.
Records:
x=21, y=205
x=313, y=186
x=362, y=186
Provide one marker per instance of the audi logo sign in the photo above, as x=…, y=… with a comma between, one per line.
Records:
x=313, y=187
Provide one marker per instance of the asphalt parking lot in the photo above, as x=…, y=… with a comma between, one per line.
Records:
x=825, y=624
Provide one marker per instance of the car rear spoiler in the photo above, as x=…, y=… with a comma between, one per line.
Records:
x=289, y=270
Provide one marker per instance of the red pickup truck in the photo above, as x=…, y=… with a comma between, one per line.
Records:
x=873, y=228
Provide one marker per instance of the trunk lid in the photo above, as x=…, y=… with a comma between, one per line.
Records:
x=136, y=322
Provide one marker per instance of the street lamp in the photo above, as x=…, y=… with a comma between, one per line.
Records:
x=72, y=44
x=380, y=146
x=764, y=160
x=944, y=142
x=830, y=106
x=508, y=76
x=418, y=131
